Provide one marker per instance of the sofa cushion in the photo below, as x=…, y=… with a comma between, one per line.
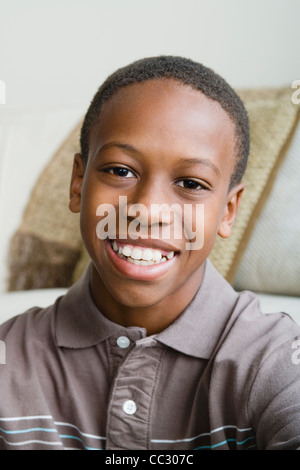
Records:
x=271, y=261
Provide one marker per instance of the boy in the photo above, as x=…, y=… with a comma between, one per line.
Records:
x=152, y=348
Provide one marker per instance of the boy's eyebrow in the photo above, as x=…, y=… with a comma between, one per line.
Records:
x=201, y=161
x=182, y=161
x=121, y=145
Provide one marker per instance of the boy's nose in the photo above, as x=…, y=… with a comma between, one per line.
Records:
x=151, y=203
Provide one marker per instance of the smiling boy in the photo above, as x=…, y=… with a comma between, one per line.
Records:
x=152, y=348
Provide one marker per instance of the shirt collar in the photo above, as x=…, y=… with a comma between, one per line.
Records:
x=197, y=330
x=80, y=324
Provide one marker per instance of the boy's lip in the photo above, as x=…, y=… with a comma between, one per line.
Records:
x=138, y=272
x=152, y=243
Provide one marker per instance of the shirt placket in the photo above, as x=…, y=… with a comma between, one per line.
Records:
x=137, y=365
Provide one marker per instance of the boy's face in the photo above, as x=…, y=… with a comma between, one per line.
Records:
x=156, y=142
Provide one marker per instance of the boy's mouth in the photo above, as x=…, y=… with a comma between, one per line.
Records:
x=146, y=262
x=139, y=255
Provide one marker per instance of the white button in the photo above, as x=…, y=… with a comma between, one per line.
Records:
x=123, y=342
x=129, y=407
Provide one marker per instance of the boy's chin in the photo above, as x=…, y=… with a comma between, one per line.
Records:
x=139, y=297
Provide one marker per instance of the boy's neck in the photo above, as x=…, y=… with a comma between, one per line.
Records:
x=154, y=318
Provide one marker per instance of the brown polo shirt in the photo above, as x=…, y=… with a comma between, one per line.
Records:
x=222, y=376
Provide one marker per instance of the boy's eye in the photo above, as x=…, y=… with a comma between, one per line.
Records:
x=120, y=171
x=191, y=184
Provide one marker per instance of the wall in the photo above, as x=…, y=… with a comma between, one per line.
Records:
x=59, y=51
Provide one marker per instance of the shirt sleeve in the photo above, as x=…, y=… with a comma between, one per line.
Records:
x=274, y=400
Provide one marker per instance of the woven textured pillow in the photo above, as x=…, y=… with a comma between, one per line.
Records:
x=47, y=251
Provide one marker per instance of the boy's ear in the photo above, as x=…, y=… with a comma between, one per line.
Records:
x=230, y=210
x=76, y=183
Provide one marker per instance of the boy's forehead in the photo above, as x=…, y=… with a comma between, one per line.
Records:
x=164, y=110
x=163, y=91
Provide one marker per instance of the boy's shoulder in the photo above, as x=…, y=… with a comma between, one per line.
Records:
x=29, y=329
x=254, y=330
x=237, y=324
x=44, y=322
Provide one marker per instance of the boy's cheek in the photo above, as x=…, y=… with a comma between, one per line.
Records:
x=194, y=226
x=202, y=228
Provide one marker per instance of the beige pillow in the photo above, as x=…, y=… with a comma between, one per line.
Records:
x=47, y=251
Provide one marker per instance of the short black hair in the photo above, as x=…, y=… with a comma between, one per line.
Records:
x=187, y=72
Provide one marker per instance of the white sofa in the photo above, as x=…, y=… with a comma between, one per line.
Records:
x=28, y=138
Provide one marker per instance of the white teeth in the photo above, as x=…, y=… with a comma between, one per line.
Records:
x=157, y=256
x=126, y=250
x=147, y=254
x=139, y=256
x=133, y=261
x=136, y=253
